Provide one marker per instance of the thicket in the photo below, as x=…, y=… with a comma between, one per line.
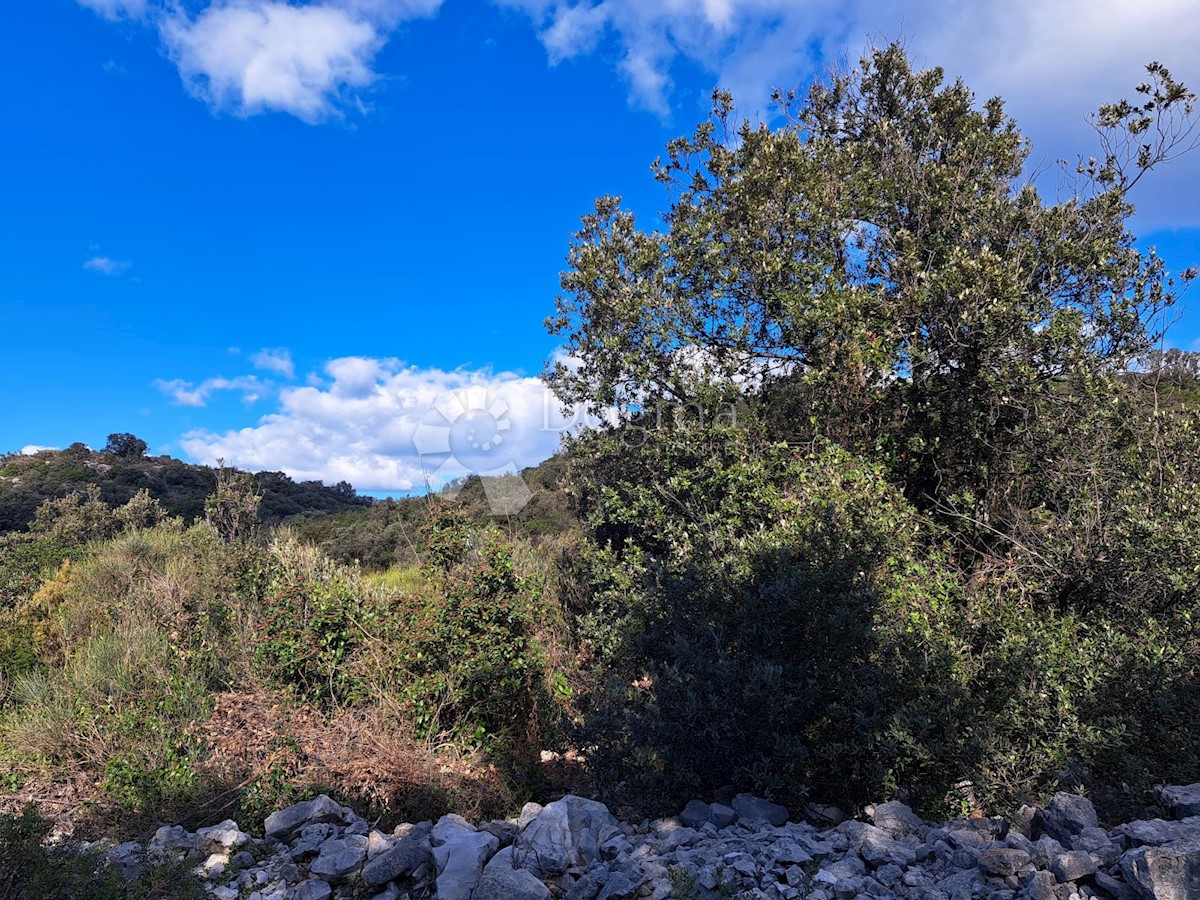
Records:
x=165, y=672
x=900, y=499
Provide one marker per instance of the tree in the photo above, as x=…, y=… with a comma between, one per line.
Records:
x=125, y=444
x=890, y=502
x=881, y=271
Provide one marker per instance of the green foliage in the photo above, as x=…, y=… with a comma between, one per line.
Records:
x=33, y=869
x=232, y=509
x=28, y=481
x=460, y=653
x=126, y=444
x=130, y=643
x=895, y=500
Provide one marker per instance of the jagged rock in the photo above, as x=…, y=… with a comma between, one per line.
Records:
x=313, y=889
x=214, y=866
x=1066, y=816
x=896, y=819
x=1156, y=832
x=694, y=814
x=619, y=886
x=1002, y=861
x=339, y=859
x=401, y=859
x=505, y=832
x=221, y=838
x=173, y=838
x=460, y=852
x=1039, y=886
x=1181, y=800
x=824, y=815
x=287, y=822
x=566, y=833
x=755, y=809
x=529, y=812
x=1170, y=872
x=1072, y=866
x=502, y=881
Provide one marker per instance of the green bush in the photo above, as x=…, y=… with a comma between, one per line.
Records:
x=33, y=869
x=461, y=655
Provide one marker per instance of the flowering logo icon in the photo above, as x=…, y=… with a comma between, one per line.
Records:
x=469, y=431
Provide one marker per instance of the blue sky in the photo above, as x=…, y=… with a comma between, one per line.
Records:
x=283, y=233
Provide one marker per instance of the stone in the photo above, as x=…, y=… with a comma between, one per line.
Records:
x=460, y=852
x=221, y=838
x=619, y=886
x=313, y=889
x=502, y=881
x=286, y=822
x=339, y=859
x=755, y=809
x=1002, y=861
x=877, y=847
x=721, y=816
x=1072, y=866
x=214, y=866
x=896, y=819
x=1039, y=886
x=242, y=859
x=1181, y=801
x=1114, y=888
x=173, y=837
x=695, y=814
x=824, y=815
x=1156, y=832
x=565, y=834
x=401, y=859
x=1065, y=817
x=529, y=812
x=1169, y=872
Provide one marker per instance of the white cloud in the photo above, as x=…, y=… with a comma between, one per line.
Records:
x=106, y=266
x=309, y=60
x=33, y=449
x=253, y=57
x=278, y=360
x=116, y=9
x=1052, y=62
x=187, y=393
x=384, y=426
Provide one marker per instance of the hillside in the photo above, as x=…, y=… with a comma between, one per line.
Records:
x=27, y=481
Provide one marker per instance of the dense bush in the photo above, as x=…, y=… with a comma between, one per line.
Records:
x=898, y=497
x=460, y=655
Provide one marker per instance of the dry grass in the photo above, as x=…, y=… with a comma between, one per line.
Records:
x=360, y=754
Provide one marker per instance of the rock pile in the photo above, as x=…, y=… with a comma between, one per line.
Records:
x=575, y=849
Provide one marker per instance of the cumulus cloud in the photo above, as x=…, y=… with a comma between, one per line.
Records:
x=187, y=393
x=310, y=60
x=107, y=266
x=33, y=449
x=385, y=426
x=278, y=360
x=1053, y=63
x=253, y=57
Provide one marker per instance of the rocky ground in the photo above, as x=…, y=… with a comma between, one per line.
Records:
x=576, y=849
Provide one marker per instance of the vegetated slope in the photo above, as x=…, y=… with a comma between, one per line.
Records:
x=26, y=481
x=391, y=532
